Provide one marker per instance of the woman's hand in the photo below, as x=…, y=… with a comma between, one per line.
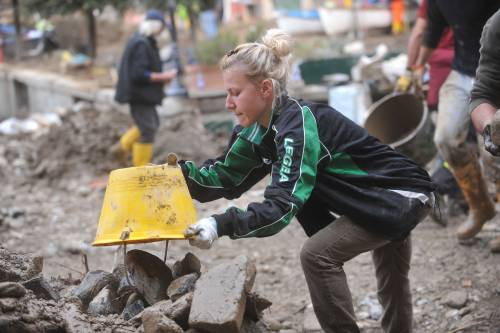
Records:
x=203, y=233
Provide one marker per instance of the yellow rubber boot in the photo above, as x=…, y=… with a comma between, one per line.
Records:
x=142, y=153
x=481, y=208
x=122, y=148
x=129, y=138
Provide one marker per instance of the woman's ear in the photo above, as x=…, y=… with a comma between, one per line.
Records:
x=266, y=88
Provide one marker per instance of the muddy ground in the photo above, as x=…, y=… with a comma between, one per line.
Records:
x=52, y=190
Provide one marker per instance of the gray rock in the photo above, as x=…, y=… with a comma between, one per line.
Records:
x=16, y=267
x=133, y=308
x=105, y=303
x=179, y=310
x=91, y=285
x=255, y=305
x=220, y=296
x=181, y=286
x=156, y=322
x=11, y=289
x=149, y=274
x=41, y=288
x=189, y=264
x=121, y=285
x=456, y=299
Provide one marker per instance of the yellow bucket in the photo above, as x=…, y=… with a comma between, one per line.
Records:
x=145, y=204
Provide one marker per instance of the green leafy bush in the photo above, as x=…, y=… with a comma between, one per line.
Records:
x=210, y=51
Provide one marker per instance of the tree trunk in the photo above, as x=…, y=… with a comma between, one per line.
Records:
x=92, y=35
x=17, y=24
x=193, y=23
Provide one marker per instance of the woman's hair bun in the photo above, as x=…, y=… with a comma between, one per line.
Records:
x=278, y=41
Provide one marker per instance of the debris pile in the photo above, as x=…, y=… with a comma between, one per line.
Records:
x=81, y=143
x=146, y=295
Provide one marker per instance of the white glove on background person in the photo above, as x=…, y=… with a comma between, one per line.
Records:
x=203, y=233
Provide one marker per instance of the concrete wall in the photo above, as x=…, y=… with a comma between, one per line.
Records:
x=33, y=91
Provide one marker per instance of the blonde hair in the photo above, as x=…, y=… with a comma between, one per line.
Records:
x=268, y=59
x=150, y=28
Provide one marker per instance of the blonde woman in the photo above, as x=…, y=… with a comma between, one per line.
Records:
x=350, y=193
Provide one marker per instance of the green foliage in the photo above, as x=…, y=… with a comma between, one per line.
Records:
x=195, y=5
x=255, y=32
x=210, y=51
x=51, y=7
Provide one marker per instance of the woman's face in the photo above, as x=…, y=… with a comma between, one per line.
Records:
x=249, y=101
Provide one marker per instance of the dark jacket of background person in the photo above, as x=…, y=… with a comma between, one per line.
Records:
x=140, y=58
x=467, y=19
x=487, y=85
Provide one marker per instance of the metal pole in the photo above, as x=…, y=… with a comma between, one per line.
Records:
x=166, y=250
x=176, y=86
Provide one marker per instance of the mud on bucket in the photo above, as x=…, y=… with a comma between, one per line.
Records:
x=145, y=204
x=402, y=121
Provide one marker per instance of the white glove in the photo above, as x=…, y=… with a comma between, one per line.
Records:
x=203, y=233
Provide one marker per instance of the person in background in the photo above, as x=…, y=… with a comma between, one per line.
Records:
x=398, y=14
x=439, y=68
x=350, y=193
x=140, y=84
x=485, y=97
x=466, y=18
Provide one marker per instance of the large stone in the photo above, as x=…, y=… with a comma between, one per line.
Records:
x=181, y=286
x=121, y=282
x=189, y=264
x=156, y=322
x=18, y=267
x=91, y=285
x=149, y=274
x=11, y=289
x=134, y=306
x=41, y=288
x=177, y=311
x=456, y=299
x=105, y=303
x=220, y=295
x=76, y=320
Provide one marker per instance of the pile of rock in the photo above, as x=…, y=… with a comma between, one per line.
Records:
x=146, y=295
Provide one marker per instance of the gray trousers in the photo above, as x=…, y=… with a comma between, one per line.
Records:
x=323, y=256
x=146, y=118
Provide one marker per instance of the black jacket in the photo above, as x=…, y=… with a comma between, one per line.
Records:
x=141, y=56
x=320, y=162
x=466, y=18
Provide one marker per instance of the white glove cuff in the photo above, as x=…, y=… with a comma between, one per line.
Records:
x=212, y=224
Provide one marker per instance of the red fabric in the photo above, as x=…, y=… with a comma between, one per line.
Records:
x=440, y=60
x=446, y=41
x=440, y=67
